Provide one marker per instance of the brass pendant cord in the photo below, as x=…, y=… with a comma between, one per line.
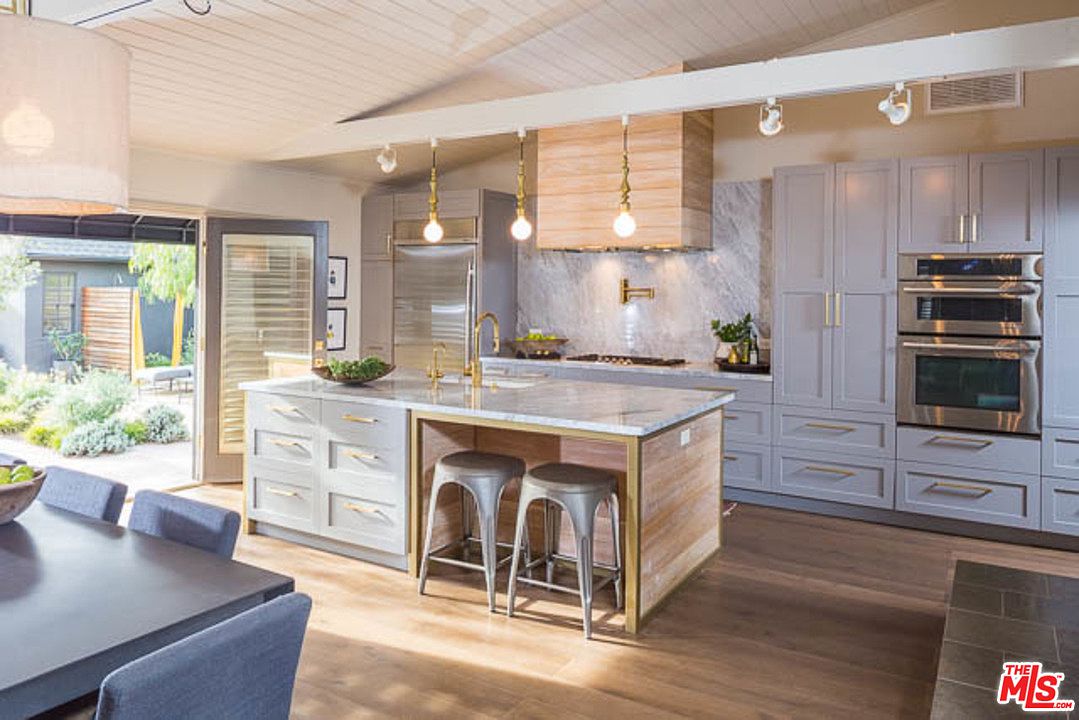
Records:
x=624, y=205
x=433, y=201
x=521, y=178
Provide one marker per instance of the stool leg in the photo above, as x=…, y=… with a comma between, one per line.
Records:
x=612, y=507
x=582, y=512
x=487, y=504
x=518, y=536
x=550, y=539
x=466, y=527
x=436, y=486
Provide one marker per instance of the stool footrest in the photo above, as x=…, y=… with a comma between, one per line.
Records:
x=607, y=580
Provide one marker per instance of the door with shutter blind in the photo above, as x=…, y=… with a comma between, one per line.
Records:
x=265, y=309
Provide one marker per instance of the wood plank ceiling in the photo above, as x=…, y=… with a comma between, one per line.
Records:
x=255, y=73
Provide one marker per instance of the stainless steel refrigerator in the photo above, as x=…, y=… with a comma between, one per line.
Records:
x=439, y=290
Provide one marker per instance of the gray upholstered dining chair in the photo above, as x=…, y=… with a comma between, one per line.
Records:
x=83, y=493
x=206, y=527
x=241, y=669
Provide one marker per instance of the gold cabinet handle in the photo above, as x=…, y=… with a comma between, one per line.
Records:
x=362, y=509
x=357, y=455
x=287, y=443
x=961, y=486
x=715, y=389
x=974, y=227
x=829, y=426
x=962, y=229
x=827, y=309
x=349, y=417
x=830, y=470
x=282, y=493
x=730, y=416
x=838, y=310
x=730, y=457
x=961, y=440
x=285, y=409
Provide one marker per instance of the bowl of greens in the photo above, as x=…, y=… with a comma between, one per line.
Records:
x=354, y=372
x=537, y=344
x=19, y=485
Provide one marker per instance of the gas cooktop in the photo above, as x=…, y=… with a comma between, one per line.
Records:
x=627, y=360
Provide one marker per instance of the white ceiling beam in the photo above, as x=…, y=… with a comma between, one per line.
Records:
x=1041, y=45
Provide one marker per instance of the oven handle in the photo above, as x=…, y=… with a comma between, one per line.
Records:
x=970, y=291
x=1024, y=349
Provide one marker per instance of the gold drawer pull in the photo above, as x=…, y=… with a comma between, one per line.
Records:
x=830, y=426
x=285, y=409
x=362, y=509
x=830, y=470
x=287, y=443
x=358, y=419
x=357, y=455
x=715, y=389
x=729, y=416
x=730, y=457
x=961, y=486
x=282, y=493
x=959, y=439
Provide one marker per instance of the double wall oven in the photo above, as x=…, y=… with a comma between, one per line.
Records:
x=970, y=342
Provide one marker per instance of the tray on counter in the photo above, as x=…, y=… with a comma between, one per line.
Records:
x=748, y=368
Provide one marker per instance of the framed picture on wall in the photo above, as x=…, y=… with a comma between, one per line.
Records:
x=336, y=328
x=337, y=278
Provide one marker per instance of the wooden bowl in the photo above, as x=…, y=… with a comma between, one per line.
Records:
x=538, y=348
x=324, y=373
x=16, y=497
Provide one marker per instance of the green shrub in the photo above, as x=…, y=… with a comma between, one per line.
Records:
x=156, y=360
x=29, y=393
x=136, y=430
x=164, y=424
x=99, y=396
x=6, y=376
x=12, y=421
x=47, y=436
x=96, y=437
x=187, y=352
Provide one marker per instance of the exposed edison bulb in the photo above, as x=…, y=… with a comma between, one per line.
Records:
x=896, y=107
x=521, y=229
x=624, y=224
x=432, y=231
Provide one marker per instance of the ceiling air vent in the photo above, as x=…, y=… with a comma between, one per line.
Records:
x=979, y=92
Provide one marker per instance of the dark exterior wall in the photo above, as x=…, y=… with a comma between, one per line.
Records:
x=156, y=317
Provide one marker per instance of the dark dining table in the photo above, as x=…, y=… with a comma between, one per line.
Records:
x=79, y=598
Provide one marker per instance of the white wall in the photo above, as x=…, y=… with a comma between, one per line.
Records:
x=258, y=190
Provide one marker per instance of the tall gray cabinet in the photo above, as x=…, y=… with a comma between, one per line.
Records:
x=376, y=277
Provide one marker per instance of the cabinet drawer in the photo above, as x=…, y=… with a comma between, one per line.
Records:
x=279, y=447
x=281, y=413
x=274, y=499
x=351, y=458
x=823, y=475
x=747, y=423
x=746, y=466
x=377, y=479
x=849, y=433
x=1060, y=453
x=1060, y=506
x=369, y=426
x=973, y=450
x=351, y=517
x=1004, y=498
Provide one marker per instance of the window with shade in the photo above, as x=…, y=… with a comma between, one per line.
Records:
x=266, y=312
x=58, y=312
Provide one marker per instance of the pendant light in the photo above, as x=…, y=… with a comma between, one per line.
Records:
x=896, y=107
x=432, y=231
x=521, y=229
x=624, y=224
x=63, y=119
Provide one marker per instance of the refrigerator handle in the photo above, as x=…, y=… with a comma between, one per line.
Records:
x=470, y=311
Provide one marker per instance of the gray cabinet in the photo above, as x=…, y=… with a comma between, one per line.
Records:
x=747, y=466
x=821, y=475
x=804, y=198
x=1060, y=506
x=835, y=311
x=986, y=496
x=1061, y=293
x=376, y=228
x=971, y=450
x=376, y=309
x=990, y=202
x=1060, y=453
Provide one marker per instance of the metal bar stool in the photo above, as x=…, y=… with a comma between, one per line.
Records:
x=484, y=476
x=578, y=490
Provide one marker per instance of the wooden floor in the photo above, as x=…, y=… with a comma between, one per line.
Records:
x=800, y=616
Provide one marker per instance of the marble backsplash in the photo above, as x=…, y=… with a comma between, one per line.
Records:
x=576, y=294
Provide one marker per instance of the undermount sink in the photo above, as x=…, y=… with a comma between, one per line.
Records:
x=489, y=382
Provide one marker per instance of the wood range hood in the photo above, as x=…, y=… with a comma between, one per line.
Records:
x=579, y=173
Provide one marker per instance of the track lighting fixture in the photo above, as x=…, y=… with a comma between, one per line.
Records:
x=624, y=224
x=897, y=106
x=521, y=229
x=387, y=159
x=432, y=231
x=771, y=120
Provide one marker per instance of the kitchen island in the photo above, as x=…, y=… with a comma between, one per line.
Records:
x=349, y=469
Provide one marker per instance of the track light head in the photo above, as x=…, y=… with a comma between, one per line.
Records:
x=897, y=106
x=387, y=159
x=771, y=120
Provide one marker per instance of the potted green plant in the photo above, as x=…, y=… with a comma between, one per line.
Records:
x=67, y=352
x=733, y=339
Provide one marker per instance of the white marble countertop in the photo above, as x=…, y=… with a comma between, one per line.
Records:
x=571, y=404
x=692, y=368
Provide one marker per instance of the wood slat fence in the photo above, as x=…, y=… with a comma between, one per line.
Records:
x=107, y=314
